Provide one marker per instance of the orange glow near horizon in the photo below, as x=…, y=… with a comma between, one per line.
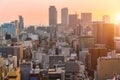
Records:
x=36, y=11
x=117, y=19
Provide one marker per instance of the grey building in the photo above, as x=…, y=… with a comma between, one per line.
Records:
x=71, y=70
x=21, y=23
x=55, y=61
x=86, y=21
x=52, y=16
x=64, y=17
x=73, y=20
x=31, y=29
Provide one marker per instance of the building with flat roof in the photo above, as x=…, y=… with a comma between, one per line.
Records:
x=25, y=70
x=56, y=60
x=73, y=20
x=64, y=17
x=8, y=28
x=94, y=54
x=56, y=74
x=52, y=16
x=108, y=67
x=104, y=34
x=86, y=21
x=72, y=70
x=86, y=42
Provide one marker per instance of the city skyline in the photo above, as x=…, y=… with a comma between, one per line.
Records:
x=36, y=11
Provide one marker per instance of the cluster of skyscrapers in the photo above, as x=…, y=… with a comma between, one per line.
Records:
x=13, y=28
x=69, y=20
x=76, y=49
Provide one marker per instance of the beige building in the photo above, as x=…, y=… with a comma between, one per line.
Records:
x=18, y=51
x=107, y=67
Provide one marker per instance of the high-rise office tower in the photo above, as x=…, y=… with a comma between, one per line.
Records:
x=94, y=54
x=104, y=34
x=21, y=23
x=73, y=20
x=52, y=16
x=86, y=21
x=64, y=17
x=16, y=23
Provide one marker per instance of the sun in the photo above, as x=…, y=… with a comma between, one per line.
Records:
x=117, y=19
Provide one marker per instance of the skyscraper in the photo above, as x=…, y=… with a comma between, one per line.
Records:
x=94, y=54
x=104, y=34
x=21, y=23
x=86, y=21
x=64, y=17
x=17, y=29
x=52, y=16
x=73, y=20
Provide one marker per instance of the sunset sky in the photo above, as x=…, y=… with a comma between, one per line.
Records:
x=36, y=11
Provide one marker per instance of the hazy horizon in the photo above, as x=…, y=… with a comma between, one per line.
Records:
x=36, y=11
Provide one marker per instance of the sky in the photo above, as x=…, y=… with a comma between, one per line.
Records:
x=35, y=12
